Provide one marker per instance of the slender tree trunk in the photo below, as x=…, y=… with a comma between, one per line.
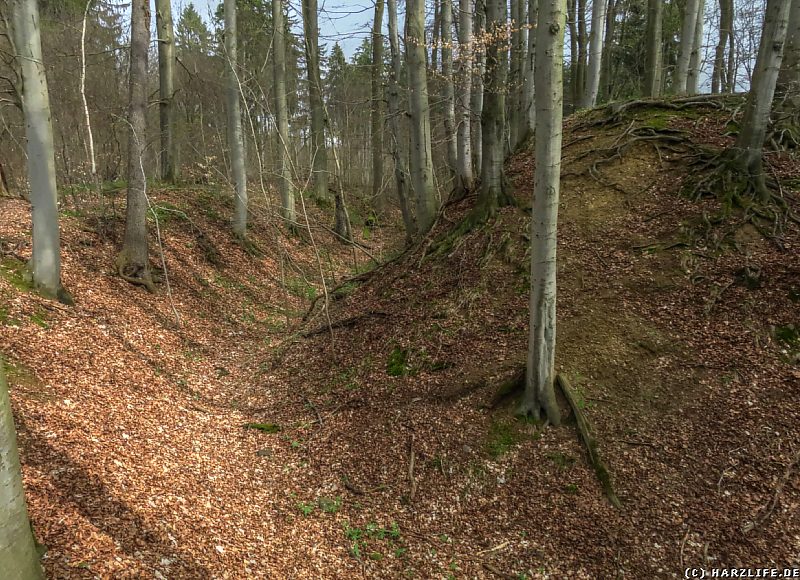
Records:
x=718, y=77
x=574, y=65
x=748, y=153
x=583, y=41
x=529, y=109
x=235, y=137
x=449, y=88
x=654, y=60
x=692, y=80
x=465, y=58
x=319, y=151
x=394, y=125
x=419, y=110
x=133, y=262
x=18, y=557
x=516, y=126
x=789, y=77
x=540, y=376
x=479, y=28
x=282, y=110
x=166, y=85
x=680, y=79
x=493, y=187
x=45, y=264
x=595, y=54
x=437, y=28
x=606, y=80
x=378, y=197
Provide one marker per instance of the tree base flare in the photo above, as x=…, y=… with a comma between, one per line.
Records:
x=134, y=273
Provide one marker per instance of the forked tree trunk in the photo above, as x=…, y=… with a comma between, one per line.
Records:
x=376, y=112
x=687, y=45
x=493, y=186
x=595, y=54
x=166, y=86
x=319, y=151
x=419, y=110
x=400, y=173
x=693, y=78
x=653, y=60
x=750, y=143
x=133, y=262
x=235, y=137
x=282, y=111
x=449, y=89
x=19, y=559
x=464, y=177
x=45, y=264
x=479, y=28
x=540, y=376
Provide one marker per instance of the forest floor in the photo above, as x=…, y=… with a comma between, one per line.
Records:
x=379, y=451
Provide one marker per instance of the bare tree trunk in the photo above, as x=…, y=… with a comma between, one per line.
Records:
x=493, y=186
x=789, y=77
x=133, y=262
x=529, y=90
x=18, y=557
x=464, y=177
x=516, y=126
x=419, y=109
x=606, y=80
x=595, y=54
x=749, y=147
x=719, y=75
x=654, y=61
x=45, y=264
x=479, y=28
x=583, y=41
x=693, y=77
x=282, y=110
x=686, y=47
x=166, y=86
x=437, y=28
x=449, y=89
x=378, y=197
x=235, y=137
x=574, y=65
x=394, y=125
x=319, y=151
x=540, y=376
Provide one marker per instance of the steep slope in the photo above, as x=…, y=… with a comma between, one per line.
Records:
x=381, y=452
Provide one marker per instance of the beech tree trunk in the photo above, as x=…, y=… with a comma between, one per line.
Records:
x=606, y=80
x=133, y=262
x=692, y=80
x=493, y=187
x=319, y=151
x=19, y=559
x=516, y=80
x=166, y=86
x=719, y=80
x=400, y=173
x=376, y=121
x=419, y=111
x=464, y=177
x=449, y=89
x=653, y=61
x=789, y=76
x=45, y=264
x=750, y=143
x=595, y=54
x=540, y=376
x=529, y=109
x=688, y=37
x=479, y=28
x=282, y=110
x=235, y=137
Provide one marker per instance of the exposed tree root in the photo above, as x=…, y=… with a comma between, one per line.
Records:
x=589, y=442
x=135, y=274
x=616, y=111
